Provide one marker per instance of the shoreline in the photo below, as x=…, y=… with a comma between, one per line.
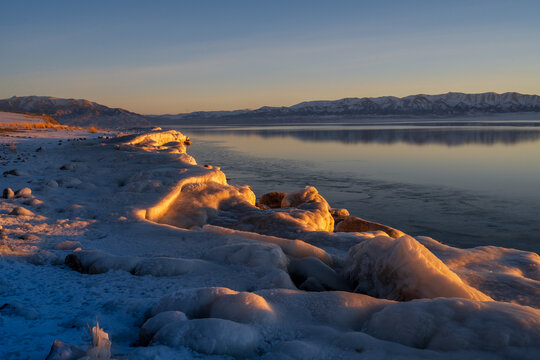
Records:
x=93, y=198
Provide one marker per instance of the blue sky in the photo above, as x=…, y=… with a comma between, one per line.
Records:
x=178, y=56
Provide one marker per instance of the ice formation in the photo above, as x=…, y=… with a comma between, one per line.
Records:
x=177, y=263
x=403, y=269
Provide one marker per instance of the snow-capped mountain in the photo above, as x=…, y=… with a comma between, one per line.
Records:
x=444, y=105
x=74, y=111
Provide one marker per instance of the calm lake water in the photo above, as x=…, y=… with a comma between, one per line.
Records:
x=464, y=185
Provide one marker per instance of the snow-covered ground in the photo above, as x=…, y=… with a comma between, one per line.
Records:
x=127, y=231
x=14, y=118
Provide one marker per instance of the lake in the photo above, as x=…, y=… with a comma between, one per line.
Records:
x=464, y=184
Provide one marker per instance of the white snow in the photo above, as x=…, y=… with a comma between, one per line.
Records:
x=166, y=260
x=15, y=118
x=403, y=269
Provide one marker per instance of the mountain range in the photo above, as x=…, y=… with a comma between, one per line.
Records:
x=452, y=104
x=444, y=105
x=78, y=112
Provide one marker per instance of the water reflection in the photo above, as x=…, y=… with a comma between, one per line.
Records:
x=465, y=186
x=450, y=136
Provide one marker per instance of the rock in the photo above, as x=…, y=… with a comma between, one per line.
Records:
x=14, y=172
x=8, y=193
x=24, y=192
x=74, y=263
x=356, y=224
x=62, y=351
x=339, y=213
x=67, y=167
x=272, y=199
x=33, y=202
x=20, y=211
x=40, y=149
x=30, y=237
x=298, y=197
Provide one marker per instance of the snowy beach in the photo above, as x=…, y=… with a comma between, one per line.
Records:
x=128, y=231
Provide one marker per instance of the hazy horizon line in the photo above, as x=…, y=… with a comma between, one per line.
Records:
x=271, y=106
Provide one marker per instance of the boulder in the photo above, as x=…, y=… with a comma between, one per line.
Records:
x=356, y=224
x=339, y=213
x=8, y=193
x=62, y=351
x=24, y=192
x=272, y=199
x=20, y=211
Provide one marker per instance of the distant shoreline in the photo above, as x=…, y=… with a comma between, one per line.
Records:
x=503, y=119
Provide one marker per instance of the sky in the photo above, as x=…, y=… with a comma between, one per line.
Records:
x=158, y=57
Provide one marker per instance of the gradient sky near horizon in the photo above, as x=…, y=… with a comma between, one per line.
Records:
x=156, y=57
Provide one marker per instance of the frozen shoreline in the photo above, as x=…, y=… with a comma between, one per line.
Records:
x=231, y=289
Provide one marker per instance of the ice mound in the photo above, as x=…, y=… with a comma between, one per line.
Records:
x=249, y=253
x=293, y=248
x=198, y=203
x=168, y=141
x=458, y=324
x=97, y=262
x=503, y=274
x=346, y=320
x=403, y=269
x=244, y=307
x=154, y=324
x=234, y=206
x=195, y=303
x=210, y=336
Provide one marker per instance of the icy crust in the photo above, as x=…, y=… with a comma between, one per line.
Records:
x=232, y=276
x=214, y=202
x=168, y=141
x=97, y=262
x=403, y=269
x=267, y=320
x=504, y=274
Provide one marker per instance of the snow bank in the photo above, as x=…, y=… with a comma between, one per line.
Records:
x=97, y=262
x=458, y=324
x=285, y=317
x=154, y=324
x=253, y=253
x=195, y=303
x=293, y=248
x=504, y=274
x=403, y=269
x=210, y=336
